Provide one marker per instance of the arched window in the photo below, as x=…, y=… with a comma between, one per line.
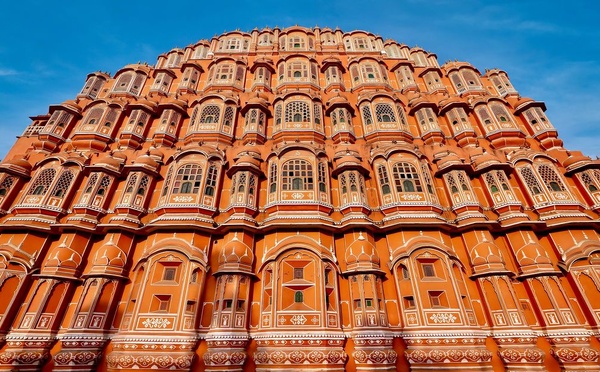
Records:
x=551, y=178
x=405, y=77
x=531, y=180
x=384, y=113
x=298, y=297
x=458, y=120
x=42, y=182
x=427, y=120
x=91, y=183
x=97, y=185
x=322, y=179
x=384, y=179
x=131, y=183
x=228, y=116
x=297, y=183
x=369, y=72
x=188, y=179
x=62, y=185
x=498, y=186
x=486, y=119
x=297, y=111
x=332, y=75
x=123, y=82
x=278, y=110
x=211, y=180
x=6, y=184
x=189, y=78
x=433, y=81
x=210, y=114
x=406, y=178
x=471, y=78
x=503, y=117
x=104, y=184
x=591, y=179
x=297, y=174
x=254, y=121
x=162, y=82
x=92, y=86
x=273, y=178
x=130, y=82
x=143, y=186
x=459, y=185
x=297, y=70
x=367, y=116
x=93, y=116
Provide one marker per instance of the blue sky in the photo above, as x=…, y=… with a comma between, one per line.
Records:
x=550, y=49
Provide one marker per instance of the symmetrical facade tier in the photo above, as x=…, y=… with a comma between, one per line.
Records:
x=298, y=199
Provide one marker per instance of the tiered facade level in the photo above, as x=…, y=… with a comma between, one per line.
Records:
x=298, y=199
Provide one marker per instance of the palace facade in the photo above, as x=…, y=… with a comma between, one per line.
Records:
x=298, y=199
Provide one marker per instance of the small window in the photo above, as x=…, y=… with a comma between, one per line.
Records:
x=428, y=270
x=298, y=273
x=554, y=186
x=405, y=273
x=357, y=304
x=297, y=184
x=190, y=306
x=299, y=297
x=227, y=304
x=409, y=302
x=169, y=273
x=39, y=190
x=369, y=302
x=161, y=303
x=240, y=305
x=438, y=299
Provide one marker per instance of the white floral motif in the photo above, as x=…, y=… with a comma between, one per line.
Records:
x=411, y=197
x=297, y=195
x=442, y=318
x=32, y=200
x=156, y=323
x=561, y=196
x=183, y=199
x=298, y=319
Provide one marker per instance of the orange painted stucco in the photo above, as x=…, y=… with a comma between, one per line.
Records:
x=298, y=199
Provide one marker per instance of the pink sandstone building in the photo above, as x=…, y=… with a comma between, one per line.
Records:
x=298, y=200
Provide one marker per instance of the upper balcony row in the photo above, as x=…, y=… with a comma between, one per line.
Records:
x=295, y=39
x=297, y=71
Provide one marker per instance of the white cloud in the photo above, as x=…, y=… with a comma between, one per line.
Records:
x=8, y=72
